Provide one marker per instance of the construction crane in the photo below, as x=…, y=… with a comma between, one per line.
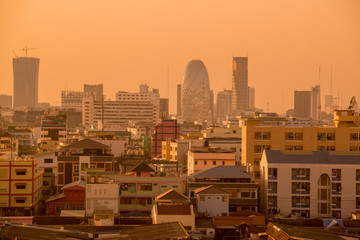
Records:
x=15, y=54
x=26, y=49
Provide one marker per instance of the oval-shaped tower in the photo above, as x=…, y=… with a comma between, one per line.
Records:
x=195, y=92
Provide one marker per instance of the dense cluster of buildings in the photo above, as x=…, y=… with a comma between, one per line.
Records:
x=217, y=169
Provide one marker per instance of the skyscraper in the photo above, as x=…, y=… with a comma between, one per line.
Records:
x=223, y=104
x=251, y=95
x=195, y=92
x=315, y=103
x=240, y=100
x=302, y=104
x=26, y=78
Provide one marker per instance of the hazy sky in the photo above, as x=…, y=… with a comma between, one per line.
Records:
x=123, y=43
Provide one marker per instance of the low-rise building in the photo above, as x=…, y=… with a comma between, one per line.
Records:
x=311, y=184
x=20, y=187
x=71, y=198
x=172, y=206
x=212, y=201
x=203, y=158
x=243, y=189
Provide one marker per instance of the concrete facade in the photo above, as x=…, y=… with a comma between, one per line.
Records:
x=310, y=184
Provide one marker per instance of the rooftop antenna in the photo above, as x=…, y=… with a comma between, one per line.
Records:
x=26, y=49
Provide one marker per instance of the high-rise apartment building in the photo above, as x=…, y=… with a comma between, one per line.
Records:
x=96, y=89
x=178, y=107
x=72, y=100
x=223, y=104
x=302, y=104
x=164, y=108
x=5, y=101
x=26, y=78
x=240, y=99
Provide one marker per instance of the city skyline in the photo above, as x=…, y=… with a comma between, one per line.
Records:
x=107, y=44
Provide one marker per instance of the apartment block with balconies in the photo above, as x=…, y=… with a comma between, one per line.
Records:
x=310, y=184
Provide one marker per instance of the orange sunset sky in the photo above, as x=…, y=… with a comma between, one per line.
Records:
x=123, y=43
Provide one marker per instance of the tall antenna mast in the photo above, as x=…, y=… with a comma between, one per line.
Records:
x=331, y=82
x=168, y=80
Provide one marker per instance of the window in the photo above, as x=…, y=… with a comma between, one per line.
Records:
x=100, y=165
x=336, y=174
x=272, y=202
x=354, y=136
x=20, y=200
x=145, y=186
x=144, y=201
x=336, y=188
x=60, y=167
x=357, y=202
x=300, y=202
x=224, y=199
x=127, y=200
x=357, y=188
x=336, y=214
x=48, y=170
x=20, y=171
x=300, y=173
x=202, y=198
x=223, y=162
x=48, y=160
x=272, y=173
x=20, y=185
x=128, y=187
x=214, y=162
x=357, y=174
x=245, y=194
x=59, y=208
x=336, y=202
x=300, y=187
x=301, y=213
x=195, y=162
x=272, y=187
x=205, y=162
x=46, y=183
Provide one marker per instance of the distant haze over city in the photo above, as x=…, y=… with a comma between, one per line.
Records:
x=123, y=44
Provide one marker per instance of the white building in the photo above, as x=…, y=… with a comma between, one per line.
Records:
x=212, y=201
x=172, y=206
x=144, y=95
x=315, y=184
x=112, y=115
x=101, y=196
x=48, y=162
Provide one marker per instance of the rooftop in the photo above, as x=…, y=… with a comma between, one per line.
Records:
x=312, y=157
x=87, y=144
x=211, y=190
x=222, y=171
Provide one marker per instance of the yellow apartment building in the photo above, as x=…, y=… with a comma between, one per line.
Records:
x=20, y=187
x=258, y=136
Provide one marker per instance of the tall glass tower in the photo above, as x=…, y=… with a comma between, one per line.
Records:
x=195, y=92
